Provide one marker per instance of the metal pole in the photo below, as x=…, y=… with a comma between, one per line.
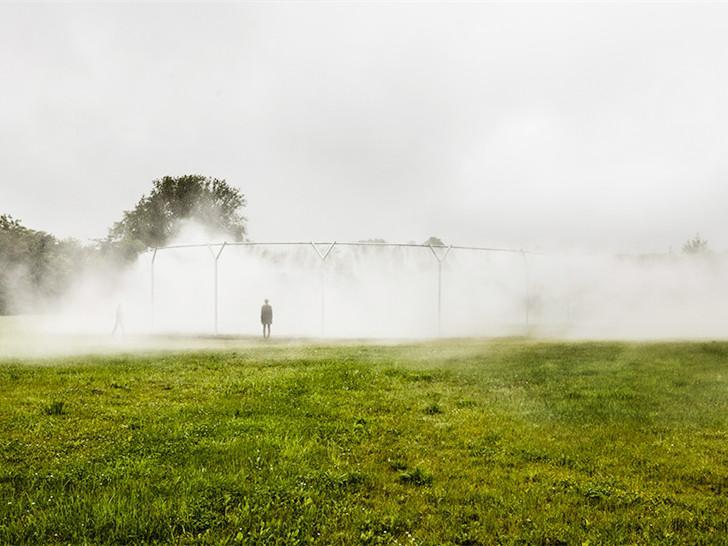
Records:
x=217, y=259
x=439, y=298
x=323, y=256
x=151, y=314
x=323, y=300
x=215, y=297
x=528, y=292
x=440, y=260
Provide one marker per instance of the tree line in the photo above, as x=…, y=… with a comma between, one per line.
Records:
x=36, y=267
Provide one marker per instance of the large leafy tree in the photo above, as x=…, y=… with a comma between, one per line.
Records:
x=157, y=217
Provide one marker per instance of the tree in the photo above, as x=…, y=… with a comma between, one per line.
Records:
x=695, y=246
x=35, y=266
x=157, y=217
x=434, y=241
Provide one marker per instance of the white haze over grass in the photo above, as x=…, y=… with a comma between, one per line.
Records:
x=392, y=293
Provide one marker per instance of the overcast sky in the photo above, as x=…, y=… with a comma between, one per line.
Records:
x=532, y=125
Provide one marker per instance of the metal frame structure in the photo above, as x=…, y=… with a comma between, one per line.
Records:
x=216, y=250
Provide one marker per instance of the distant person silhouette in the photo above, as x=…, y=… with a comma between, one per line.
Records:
x=119, y=321
x=266, y=318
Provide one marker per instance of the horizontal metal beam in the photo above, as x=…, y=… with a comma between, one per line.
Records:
x=350, y=243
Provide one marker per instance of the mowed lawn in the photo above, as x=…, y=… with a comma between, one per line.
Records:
x=453, y=442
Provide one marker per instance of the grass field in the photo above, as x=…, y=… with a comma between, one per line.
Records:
x=512, y=442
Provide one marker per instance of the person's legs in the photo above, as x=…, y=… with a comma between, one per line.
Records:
x=266, y=329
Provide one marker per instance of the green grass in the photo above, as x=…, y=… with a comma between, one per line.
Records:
x=511, y=442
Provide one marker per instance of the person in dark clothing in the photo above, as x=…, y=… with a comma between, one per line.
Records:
x=266, y=318
x=119, y=321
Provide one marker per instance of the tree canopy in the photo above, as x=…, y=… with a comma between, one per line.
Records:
x=35, y=265
x=696, y=245
x=157, y=217
x=434, y=241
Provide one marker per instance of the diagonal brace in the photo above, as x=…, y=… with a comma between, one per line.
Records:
x=440, y=259
x=216, y=255
x=323, y=255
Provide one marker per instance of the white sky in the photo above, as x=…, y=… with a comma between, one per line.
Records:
x=601, y=126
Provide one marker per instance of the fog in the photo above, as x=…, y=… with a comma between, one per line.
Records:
x=391, y=292
x=592, y=134
x=374, y=292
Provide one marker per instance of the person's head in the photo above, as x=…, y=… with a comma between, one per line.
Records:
x=266, y=301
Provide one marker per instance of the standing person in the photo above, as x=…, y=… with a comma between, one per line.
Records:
x=119, y=321
x=266, y=318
